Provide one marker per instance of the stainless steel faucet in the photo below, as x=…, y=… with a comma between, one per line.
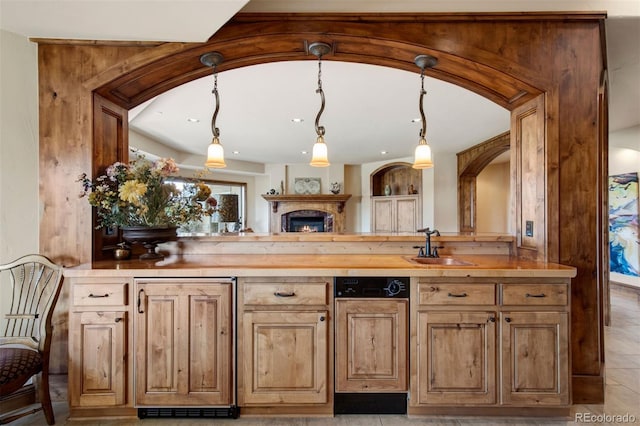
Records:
x=427, y=251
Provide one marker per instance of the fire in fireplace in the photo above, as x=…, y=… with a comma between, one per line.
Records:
x=306, y=224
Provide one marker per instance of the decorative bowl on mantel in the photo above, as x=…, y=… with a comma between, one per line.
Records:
x=149, y=237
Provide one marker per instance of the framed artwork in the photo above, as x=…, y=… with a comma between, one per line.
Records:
x=306, y=185
x=624, y=241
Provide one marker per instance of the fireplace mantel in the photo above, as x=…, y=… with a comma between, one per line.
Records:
x=339, y=199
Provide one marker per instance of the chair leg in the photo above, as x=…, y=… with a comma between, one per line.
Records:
x=45, y=397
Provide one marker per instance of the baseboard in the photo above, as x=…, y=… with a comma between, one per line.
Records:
x=588, y=389
x=626, y=288
x=563, y=412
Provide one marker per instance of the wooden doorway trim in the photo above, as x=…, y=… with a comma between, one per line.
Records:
x=470, y=163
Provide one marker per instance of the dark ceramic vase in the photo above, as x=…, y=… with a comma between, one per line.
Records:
x=149, y=238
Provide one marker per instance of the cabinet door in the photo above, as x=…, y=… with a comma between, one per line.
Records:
x=285, y=357
x=97, y=377
x=456, y=358
x=371, y=345
x=382, y=217
x=406, y=214
x=535, y=358
x=183, y=344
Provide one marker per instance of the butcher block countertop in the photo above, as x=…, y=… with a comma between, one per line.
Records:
x=238, y=265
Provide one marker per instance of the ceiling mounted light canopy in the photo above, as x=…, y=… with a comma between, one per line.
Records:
x=215, y=152
x=422, y=159
x=319, y=156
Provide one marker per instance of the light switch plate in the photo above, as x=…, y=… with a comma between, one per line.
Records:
x=529, y=228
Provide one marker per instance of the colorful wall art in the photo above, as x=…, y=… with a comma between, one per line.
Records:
x=624, y=242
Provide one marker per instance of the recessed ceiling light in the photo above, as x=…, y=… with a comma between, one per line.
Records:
x=297, y=120
x=304, y=152
x=235, y=152
x=384, y=152
x=193, y=120
x=416, y=120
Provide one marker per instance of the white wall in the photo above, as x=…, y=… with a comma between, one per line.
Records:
x=624, y=157
x=353, y=185
x=19, y=205
x=493, y=198
x=445, y=191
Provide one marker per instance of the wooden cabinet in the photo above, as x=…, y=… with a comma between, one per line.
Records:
x=98, y=343
x=456, y=358
x=396, y=213
x=183, y=342
x=500, y=344
x=371, y=345
x=534, y=344
x=284, y=345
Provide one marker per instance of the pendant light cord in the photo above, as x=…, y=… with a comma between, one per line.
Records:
x=423, y=131
x=320, y=129
x=214, y=129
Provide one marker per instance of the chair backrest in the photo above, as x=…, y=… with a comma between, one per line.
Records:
x=32, y=283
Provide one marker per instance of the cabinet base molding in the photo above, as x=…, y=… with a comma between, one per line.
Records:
x=105, y=413
x=588, y=389
x=290, y=411
x=563, y=412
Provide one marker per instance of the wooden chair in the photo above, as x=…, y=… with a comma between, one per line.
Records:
x=29, y=288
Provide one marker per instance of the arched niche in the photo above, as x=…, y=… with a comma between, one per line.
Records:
x=400, y=177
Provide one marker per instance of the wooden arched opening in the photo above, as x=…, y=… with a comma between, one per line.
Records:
x=391, y=40
x=470, y=163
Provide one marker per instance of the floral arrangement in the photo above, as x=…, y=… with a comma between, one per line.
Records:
x=138, y=194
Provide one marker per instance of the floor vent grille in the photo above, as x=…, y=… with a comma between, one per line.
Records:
x=181, y=412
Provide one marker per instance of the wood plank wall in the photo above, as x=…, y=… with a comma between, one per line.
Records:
x=509, y=58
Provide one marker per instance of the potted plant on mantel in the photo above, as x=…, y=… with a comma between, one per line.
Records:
x=136, y=198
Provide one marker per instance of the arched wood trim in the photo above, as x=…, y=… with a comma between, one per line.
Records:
x=470, y=163
x=251, y=39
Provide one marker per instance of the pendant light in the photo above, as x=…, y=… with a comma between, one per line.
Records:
x=215, y=152
x=319, y=155
x=422, y=159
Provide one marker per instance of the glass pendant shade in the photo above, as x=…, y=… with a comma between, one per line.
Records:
x=422, y=159
x=215, y=155
x=319, y=156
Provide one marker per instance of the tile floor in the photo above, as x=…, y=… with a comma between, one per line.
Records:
x=622, y=393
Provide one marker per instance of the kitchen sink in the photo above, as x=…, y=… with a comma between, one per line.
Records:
x=440, y=261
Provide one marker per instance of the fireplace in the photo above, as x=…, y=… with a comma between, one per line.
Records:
x=307, y=221
x=309, y=212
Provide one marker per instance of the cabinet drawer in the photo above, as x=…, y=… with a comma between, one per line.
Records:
x=456, y=294
x=111, y=294
x=535, y=294
x=288, y=293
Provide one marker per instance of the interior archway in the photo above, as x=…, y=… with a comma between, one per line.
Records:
x=470, y=163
